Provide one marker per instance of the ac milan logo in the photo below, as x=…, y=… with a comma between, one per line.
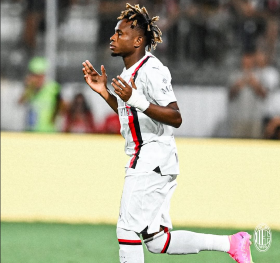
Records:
x=262, y=237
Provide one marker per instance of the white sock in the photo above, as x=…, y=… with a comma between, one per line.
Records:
x=131, y=249
x=186, y=242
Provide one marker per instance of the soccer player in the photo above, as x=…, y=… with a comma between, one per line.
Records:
x=147, y=108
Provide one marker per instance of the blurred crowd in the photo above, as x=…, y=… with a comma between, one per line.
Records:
x=48, y=112
x=199, y=33
x=251, y=90
x=201, y=28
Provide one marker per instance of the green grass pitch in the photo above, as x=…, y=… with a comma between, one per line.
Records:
x=85, y=243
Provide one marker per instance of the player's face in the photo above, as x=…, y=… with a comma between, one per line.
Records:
x=122, y=43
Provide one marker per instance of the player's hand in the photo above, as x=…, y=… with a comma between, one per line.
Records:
x=96, y=81
x=122, y=89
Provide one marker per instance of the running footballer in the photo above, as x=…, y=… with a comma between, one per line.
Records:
x=147, y=108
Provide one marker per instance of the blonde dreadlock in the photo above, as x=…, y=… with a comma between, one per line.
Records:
x=141, y=19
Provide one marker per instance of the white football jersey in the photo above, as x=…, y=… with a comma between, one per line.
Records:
x=149, y=143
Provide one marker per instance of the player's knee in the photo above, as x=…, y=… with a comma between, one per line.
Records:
x=158, y=243
x=153, y=247
x=131, y=249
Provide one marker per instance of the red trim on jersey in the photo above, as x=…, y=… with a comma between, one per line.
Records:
x=166, y=243
x=131, y=124
x=140, y=65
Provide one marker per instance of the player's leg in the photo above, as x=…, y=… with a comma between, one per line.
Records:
x=130, y=218
x=180, y=242
x=187, y=242
x=131, y=249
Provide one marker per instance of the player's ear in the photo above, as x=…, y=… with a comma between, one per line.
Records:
x=138, y=42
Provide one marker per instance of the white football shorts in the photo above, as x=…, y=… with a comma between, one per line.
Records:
x=145, y=201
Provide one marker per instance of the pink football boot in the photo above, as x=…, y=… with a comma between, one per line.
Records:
x=240, y=247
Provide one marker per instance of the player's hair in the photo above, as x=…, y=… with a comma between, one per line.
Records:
x=141, y=19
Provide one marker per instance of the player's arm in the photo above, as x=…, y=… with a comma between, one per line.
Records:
x=169, y=114
x=98, y=83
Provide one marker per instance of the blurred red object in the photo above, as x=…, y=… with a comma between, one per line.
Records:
x=111, y=125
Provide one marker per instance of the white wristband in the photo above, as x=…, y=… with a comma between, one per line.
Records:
x=138, y=101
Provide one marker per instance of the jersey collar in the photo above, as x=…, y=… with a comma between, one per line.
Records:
x=130, y=70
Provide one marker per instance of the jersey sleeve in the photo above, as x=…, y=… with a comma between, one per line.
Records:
x=159, y=88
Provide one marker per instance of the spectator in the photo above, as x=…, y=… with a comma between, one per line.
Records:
x=270, y=10
x=247, y=97
x=206, y=38
x=79, y=118
x=250, y=23
x=43, y=98
x=34, y=21
x=196, y=37
x=269, y=79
